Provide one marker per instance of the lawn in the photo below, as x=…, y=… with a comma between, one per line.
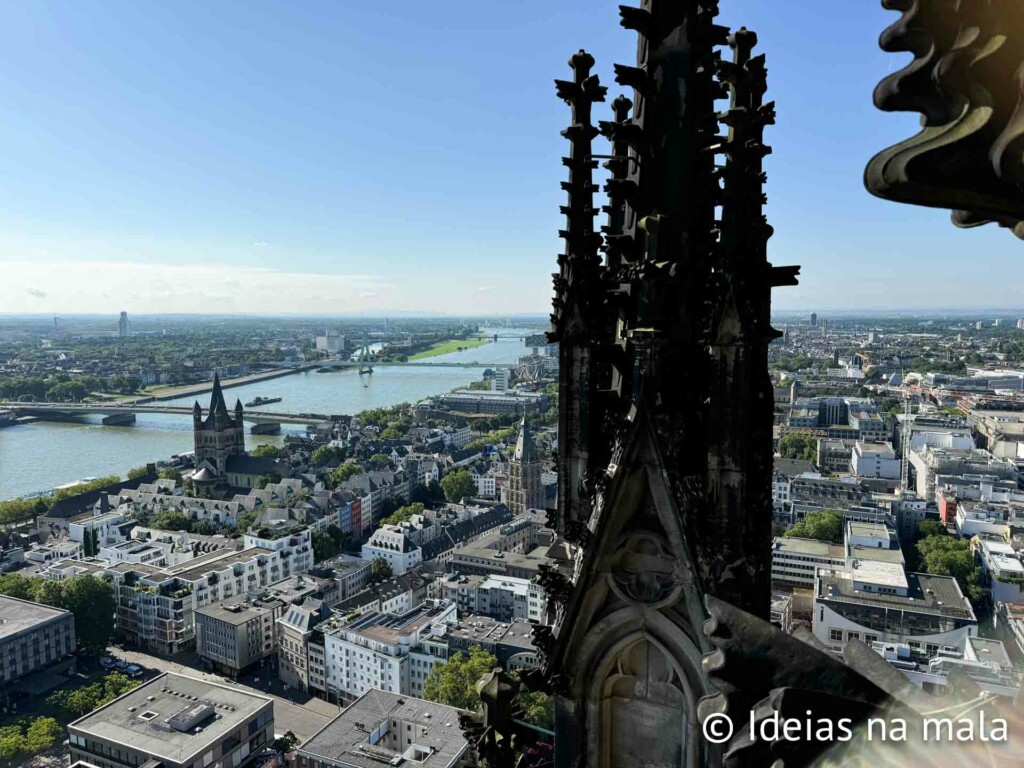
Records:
x=445, y=347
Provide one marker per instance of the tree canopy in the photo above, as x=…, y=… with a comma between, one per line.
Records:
x=454, y=682
x=324, y=546
x=88, y=597
x=402, y=514
x=793, y=445
x=949, y=556
x=826, y=525
x=83, y=700
x=328, y=454
x=380, y=570
x=458, y=485
x=266, y=451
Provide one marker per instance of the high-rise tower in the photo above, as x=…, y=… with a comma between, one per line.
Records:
x=525, y=490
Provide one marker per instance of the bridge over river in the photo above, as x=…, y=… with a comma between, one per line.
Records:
x=264, y=422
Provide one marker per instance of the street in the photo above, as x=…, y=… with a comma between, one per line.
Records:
x=302, y=715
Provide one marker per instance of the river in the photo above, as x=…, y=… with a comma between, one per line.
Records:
x=36, y=457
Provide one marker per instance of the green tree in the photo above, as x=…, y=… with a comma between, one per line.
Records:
x=81, y=701
x=454, y=682
x=136, y=472
x=324, y=547
x=171, y=520
x=931, y=528
x=266, y=451
x=16, y=585
x=169, y=473
x=262, y=481
x=91, y=600
x=793, y=445
x=338, y=536
x=458, y=485
x=538, y=709
x=48, y=592
x=11, y=741
x=391, y=433
x=285, y=744
x=328, y=454
x=42, y=732
x=826, y=525
x=379, y=461
x=380, y=570
x=402, y=514
x=343, y=472
x=949, y=556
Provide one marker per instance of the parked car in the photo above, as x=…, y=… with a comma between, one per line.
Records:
x=120, y=665
x=108, y=662
x=134, y=670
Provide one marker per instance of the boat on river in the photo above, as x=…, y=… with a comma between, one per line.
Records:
x=256, y=402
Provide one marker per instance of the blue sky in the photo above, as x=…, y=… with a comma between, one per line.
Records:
x=341, y=157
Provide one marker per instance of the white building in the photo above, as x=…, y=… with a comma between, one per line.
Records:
x=294, y=544
x=795, y=561
x=880, y=602
x=1002, y=565
x=875, y=460
x=504, y=598
x=332, y=342
x=391, y=543
x=388, y=652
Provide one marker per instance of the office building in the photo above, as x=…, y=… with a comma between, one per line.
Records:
x=33, y=637
x=876, y=601
x=174, y=721
x=875, y=460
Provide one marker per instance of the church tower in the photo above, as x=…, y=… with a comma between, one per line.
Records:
x=524, y=486
x=216, y=438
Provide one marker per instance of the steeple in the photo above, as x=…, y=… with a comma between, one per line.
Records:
x=238, y=410
x=218, y=408
x=197, y=413
x=525, y=451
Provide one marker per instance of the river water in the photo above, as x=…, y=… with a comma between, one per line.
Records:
x=36, y=457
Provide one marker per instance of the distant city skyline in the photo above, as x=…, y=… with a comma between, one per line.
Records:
x=273, y=158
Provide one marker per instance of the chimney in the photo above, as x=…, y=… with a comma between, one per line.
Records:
x=104, y=502
x=151, y=469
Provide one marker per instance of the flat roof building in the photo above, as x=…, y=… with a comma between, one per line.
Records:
x=381, y=728
x=234, y=635
x=174, y=721
x=33, y=636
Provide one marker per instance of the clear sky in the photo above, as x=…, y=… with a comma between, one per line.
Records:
x=345, y=156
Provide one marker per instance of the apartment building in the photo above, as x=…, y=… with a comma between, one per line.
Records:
x=293, y=542
x=294, y=629
x=391, y=543
x=504, y=598
x=234, y=636
x=385, y=651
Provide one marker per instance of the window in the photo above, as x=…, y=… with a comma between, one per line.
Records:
x=147, y=716
x=835, y=635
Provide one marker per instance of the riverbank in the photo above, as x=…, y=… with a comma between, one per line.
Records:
x=447, y=347
x=173, y=393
